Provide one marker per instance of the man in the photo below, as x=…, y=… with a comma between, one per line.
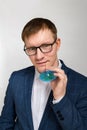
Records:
x=30, y=103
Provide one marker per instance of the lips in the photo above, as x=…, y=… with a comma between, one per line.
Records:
x=42, y=63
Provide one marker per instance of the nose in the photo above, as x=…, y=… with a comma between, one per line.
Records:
x=39, y=54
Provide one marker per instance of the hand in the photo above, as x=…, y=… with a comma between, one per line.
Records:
x=59, y=84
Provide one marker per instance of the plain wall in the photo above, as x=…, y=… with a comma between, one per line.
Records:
x=70, y=17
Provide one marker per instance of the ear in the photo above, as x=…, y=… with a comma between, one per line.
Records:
x=58, y=42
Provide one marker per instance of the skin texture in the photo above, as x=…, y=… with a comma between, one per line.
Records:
x=48, y=61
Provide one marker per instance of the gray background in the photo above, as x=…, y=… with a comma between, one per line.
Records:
x=70, y=17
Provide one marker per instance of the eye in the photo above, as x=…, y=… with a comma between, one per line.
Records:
x=45, y=45
x=32, y=48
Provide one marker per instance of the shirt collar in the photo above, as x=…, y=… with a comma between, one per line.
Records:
x=60, y=64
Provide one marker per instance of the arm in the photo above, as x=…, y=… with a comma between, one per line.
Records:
x=7, y=118
x=71, y=110
x=71, y=116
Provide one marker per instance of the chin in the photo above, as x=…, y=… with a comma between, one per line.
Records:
x=40, y=70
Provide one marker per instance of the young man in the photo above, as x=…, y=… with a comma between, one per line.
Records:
x=30, y=103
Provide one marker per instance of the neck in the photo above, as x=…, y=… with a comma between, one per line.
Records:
x=56, y=63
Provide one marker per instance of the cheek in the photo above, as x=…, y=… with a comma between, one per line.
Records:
x=32, y=59
x=52, y=54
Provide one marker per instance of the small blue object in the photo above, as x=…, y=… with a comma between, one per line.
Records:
x=47, y=76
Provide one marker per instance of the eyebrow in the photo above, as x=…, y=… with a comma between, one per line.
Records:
x=39, y=45
x=42, y=44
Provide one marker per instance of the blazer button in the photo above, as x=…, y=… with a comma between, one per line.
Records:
x=60, y=115
x=62, y=118
x=58, y=112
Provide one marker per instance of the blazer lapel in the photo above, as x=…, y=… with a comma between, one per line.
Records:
x=28, y=91
x=64, y=67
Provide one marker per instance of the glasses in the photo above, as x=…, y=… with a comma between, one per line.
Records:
x=44, y=48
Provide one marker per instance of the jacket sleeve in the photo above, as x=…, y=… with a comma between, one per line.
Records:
x=71, y=111
x=8, y=116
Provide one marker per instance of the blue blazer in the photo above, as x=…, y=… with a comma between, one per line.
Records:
x=69, y=114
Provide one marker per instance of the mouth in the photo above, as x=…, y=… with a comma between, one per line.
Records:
x=42, y=63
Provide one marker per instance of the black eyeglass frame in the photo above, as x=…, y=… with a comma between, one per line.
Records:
x=51, y=44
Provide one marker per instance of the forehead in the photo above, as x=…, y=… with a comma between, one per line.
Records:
x=40, y=37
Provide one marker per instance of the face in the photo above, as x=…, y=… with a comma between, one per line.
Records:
x=41, y=60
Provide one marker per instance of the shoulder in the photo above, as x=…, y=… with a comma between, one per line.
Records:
x=73, y=75
x=77, y=82
x=24, y=70
x=22, y=73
